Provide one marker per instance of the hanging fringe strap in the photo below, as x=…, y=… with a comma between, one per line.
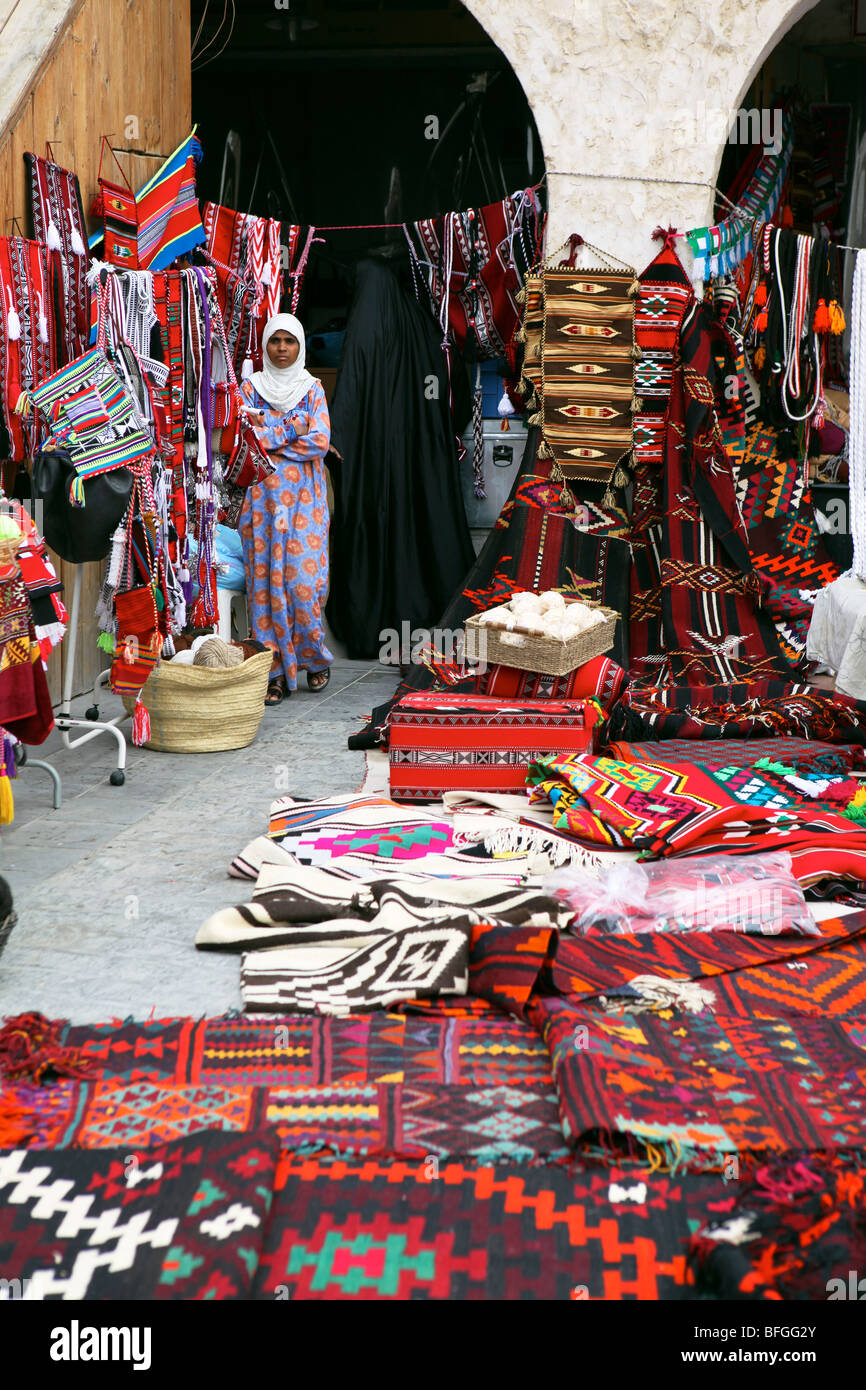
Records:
x=76, y=491
x=140, y=724
x=23, y=403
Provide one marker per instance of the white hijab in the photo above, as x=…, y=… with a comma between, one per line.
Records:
x=283, y=387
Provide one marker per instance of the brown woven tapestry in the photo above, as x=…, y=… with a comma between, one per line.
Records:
x=578, y=366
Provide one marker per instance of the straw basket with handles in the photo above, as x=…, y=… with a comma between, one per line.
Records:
x=202, y=709
x=532, y=651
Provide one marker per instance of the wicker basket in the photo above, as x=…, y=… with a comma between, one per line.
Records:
x=530, y=651
x=196, y=709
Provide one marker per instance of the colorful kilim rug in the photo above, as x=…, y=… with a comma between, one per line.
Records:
x=803, y=754
x=169, y=223
x=461, y=1231
x=690, y=808
x=796, y=1230
x=28, y=339
x=432, y=1047
x=491, y=1124
x=665, y=293
x=58, y=221
x=580, y=361
x=700, y=1089
x=93, y=416
x=712, y=625
x=185, y=1220
x=784, y=541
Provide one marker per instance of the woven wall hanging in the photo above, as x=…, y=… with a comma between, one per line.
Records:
x=579, y=365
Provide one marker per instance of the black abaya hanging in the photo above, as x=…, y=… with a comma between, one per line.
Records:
x=400, y=544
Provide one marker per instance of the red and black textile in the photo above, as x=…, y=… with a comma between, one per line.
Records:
x=665, y=294
x=93, y=1224
x=697, y=1089
x=825, y=984
x=759, y=709
x=804, y=755
x=117, y=208
x=585, y=967
x=476, y=261
x=601, y=679
x=713, y=628
x=796, y=1230
x=785, y=545
x=58, y=221
x=28, y=337
x=465, y=1231
x=505, y=963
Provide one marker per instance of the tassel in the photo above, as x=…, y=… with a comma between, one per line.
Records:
x=52, y=239
x=247, y=369
x=520, y=297
x=504, y=426
x=536, y=419
x=118, y=550
x=75, y=237
x=13, y=326
x=634, y=289
x=668, y=237
x=761, y=322
x=23, y=404
x=105, y=643
x=787, y=216
x=836, y=317
x=30, y=1050
x=140, y=724
x=266, y=276
x=76, y=492
x=609, y=499
x=761, y=295
x=636, y=353
x=621, y=478
x=760, y=357
x=821, y=321
x=520, y=335
x=636, y=404
x=545, y=451
x=7, y=804
x=42, y=320
x=505, y=407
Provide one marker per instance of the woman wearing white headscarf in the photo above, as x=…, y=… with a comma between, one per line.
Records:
x=284, y=522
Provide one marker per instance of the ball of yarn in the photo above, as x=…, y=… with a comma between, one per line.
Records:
x=214, y=652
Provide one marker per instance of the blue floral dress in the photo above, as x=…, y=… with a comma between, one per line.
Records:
x=284, y=531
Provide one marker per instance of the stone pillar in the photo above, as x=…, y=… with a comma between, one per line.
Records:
x=639, y=89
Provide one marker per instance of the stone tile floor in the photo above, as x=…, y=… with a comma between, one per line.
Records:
x=111, y=888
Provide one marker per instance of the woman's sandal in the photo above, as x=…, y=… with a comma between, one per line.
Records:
x=317, y=680
x=277, y=692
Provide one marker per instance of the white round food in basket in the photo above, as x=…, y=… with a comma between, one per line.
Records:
x=552, y=602
x=497, y=617
x=526, y=602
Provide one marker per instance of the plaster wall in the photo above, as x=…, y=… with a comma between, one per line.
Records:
x=623, y=91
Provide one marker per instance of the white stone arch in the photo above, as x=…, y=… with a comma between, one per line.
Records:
x=615, y=86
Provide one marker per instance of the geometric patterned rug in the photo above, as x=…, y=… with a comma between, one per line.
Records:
x=461, y=1231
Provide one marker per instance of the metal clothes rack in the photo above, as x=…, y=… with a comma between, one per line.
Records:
x=91, y=722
